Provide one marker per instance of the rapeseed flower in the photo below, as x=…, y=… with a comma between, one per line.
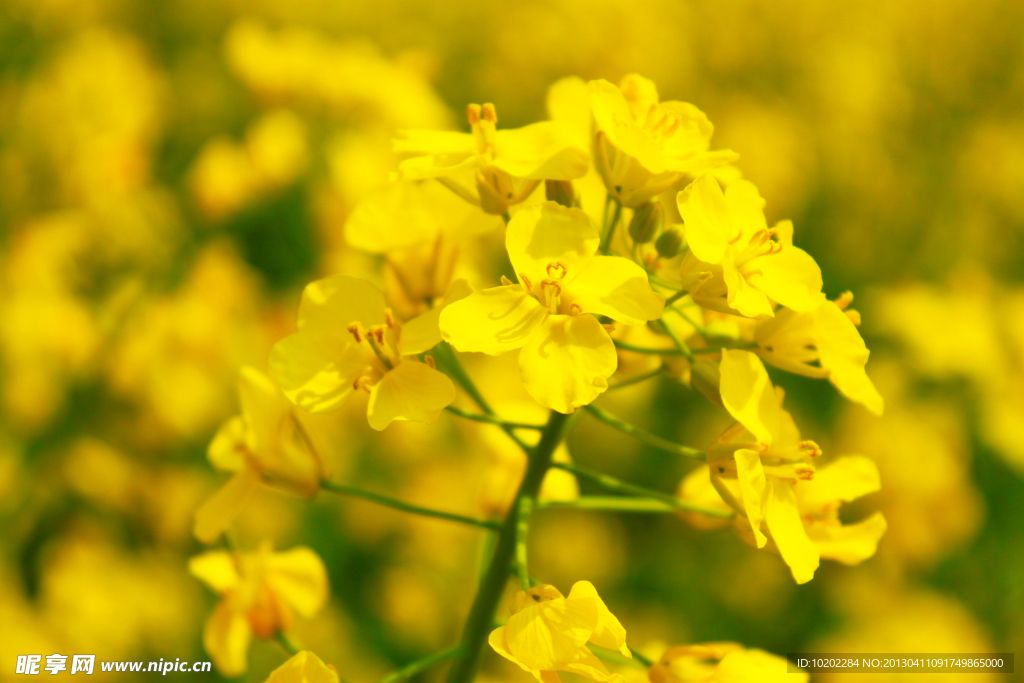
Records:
x=305, y=667
x=347, y=340
x=721, y=663
x=260, y=592
x=566, y=355
x=764, y=453
x=490, y=168
x=267, y=444
x=548, y=633
x=643, y=146
x=734, y=265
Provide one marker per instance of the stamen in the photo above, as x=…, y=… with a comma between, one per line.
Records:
x=505, y=281
x=490, y=113
x=558, y=266
x=389, y=318
x=854, y=316
x=363, y=383
x=809, y=448
x=575, y=309
x=844, y=300
x=356, y=330
x=473, y=114
x=526, y=282
x=429, y=360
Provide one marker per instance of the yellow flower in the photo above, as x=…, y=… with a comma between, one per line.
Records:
x=259, y=592
x=566, y=355
x=267, y=444
x=732, y=253
x=347, y=339
x=491, y=168
x=305, y=667
x=828, y=335
x=721, y=663
x=763, y=451
x=841, y=481
x=642, y=146
x=548, y=633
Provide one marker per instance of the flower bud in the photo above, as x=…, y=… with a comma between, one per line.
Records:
x=560, y=191
x=669, y=243
x=645, y=222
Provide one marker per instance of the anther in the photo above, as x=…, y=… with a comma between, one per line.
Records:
x=505, y=281
x=544, y=284
x=809, y=448
x=356, y=330
x=389, y=318
x=429, y=360
x=490, y=113
x=844, y=300
x=377, y=331
x=526, y=282
x=559, y=266
x=575, y=309
x=362, y=383
x=473, y=114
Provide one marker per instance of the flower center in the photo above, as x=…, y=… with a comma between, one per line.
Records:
x=379, y=342
x=483, y=121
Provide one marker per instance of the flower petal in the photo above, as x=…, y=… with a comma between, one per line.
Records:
x=263, y=406
x=546, y=234
x=589, y=666
x=412, y=391
x=316, y=371
x=566, y=363
x=330, y=305
x=788, y=531
x=216, y=569
x=225, y=451
x=540, y=151
x=305, y=667
x=550, y=634
x=491, y=321
x=226, y=638
x=842, y=480
x=748, y=395
x=609, y=632
x=216, y=515
x=753, y=489
x=850, y=544
x=618, y=288
x=842, y=352
x=298, y=576
x=743, y=297
x=790, y=277
x=707, y=219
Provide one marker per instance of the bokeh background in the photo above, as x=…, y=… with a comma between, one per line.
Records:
x=172, y=172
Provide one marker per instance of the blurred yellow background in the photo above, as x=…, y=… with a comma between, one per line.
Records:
x=173, y=172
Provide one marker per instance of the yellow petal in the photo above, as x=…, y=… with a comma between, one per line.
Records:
x=788, y=531
x=753, y=489
x=305, y=667
x=568, y=102
x=707, y=219
x=566, y=363
x=849, y=543
x=748, y=395
x=842, y=352
x=298, y=576
x=492, y=320
x=756, y=666
x=423, y=332
x=316, y=371
x=263, y=406
x=842, y=480
x=216, y=515
x=540, y=151
x=617, y=288
x=226, y=450
x=330, y=305
x=789, y=277
x=417, y=142
x=226, y=638
x=743, y=296
x=540, y=236
x=216, y=569
x=589, y=666
x=412, y=391
x=746, y=210
x=614, y=117
x=550, y=634
x=609, y=631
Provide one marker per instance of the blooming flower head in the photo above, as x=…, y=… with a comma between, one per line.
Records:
x=347, y=340
x=734, y=265
x=549, y=632
x=827, y=335
x=267, y=443
x=641, y=145
x=493, y=169
x=721, y=663
x=305, y=667
x=764, y=453
x=566, y=355
x=260, y=593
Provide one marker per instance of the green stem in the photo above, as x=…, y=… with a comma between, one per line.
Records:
x=481, y=614
x=675, y=297
x=677, y=341
x=643, y=435
x=606, y=236
x=642, y=659
x=490, y=419
x=356, y=492
x=639, y=378
x=611, y=483
x=286, y=644
x=612, y=504
x=449, y=361
x=522, y=532
x=419, y=665
x=615, y=657
x=647, y=350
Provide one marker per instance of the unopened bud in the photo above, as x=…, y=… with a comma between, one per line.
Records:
x=560, y=191
x=644, y=224
x=669, y=243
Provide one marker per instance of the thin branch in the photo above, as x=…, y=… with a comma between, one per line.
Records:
x=522, y=532
x=419, y=665
x=490, y=419
x=286, y=644
x=638, y=378
x=643, y=435
x=647, y=350
x=609, y=232
x=611, y=483
x=357, y=492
